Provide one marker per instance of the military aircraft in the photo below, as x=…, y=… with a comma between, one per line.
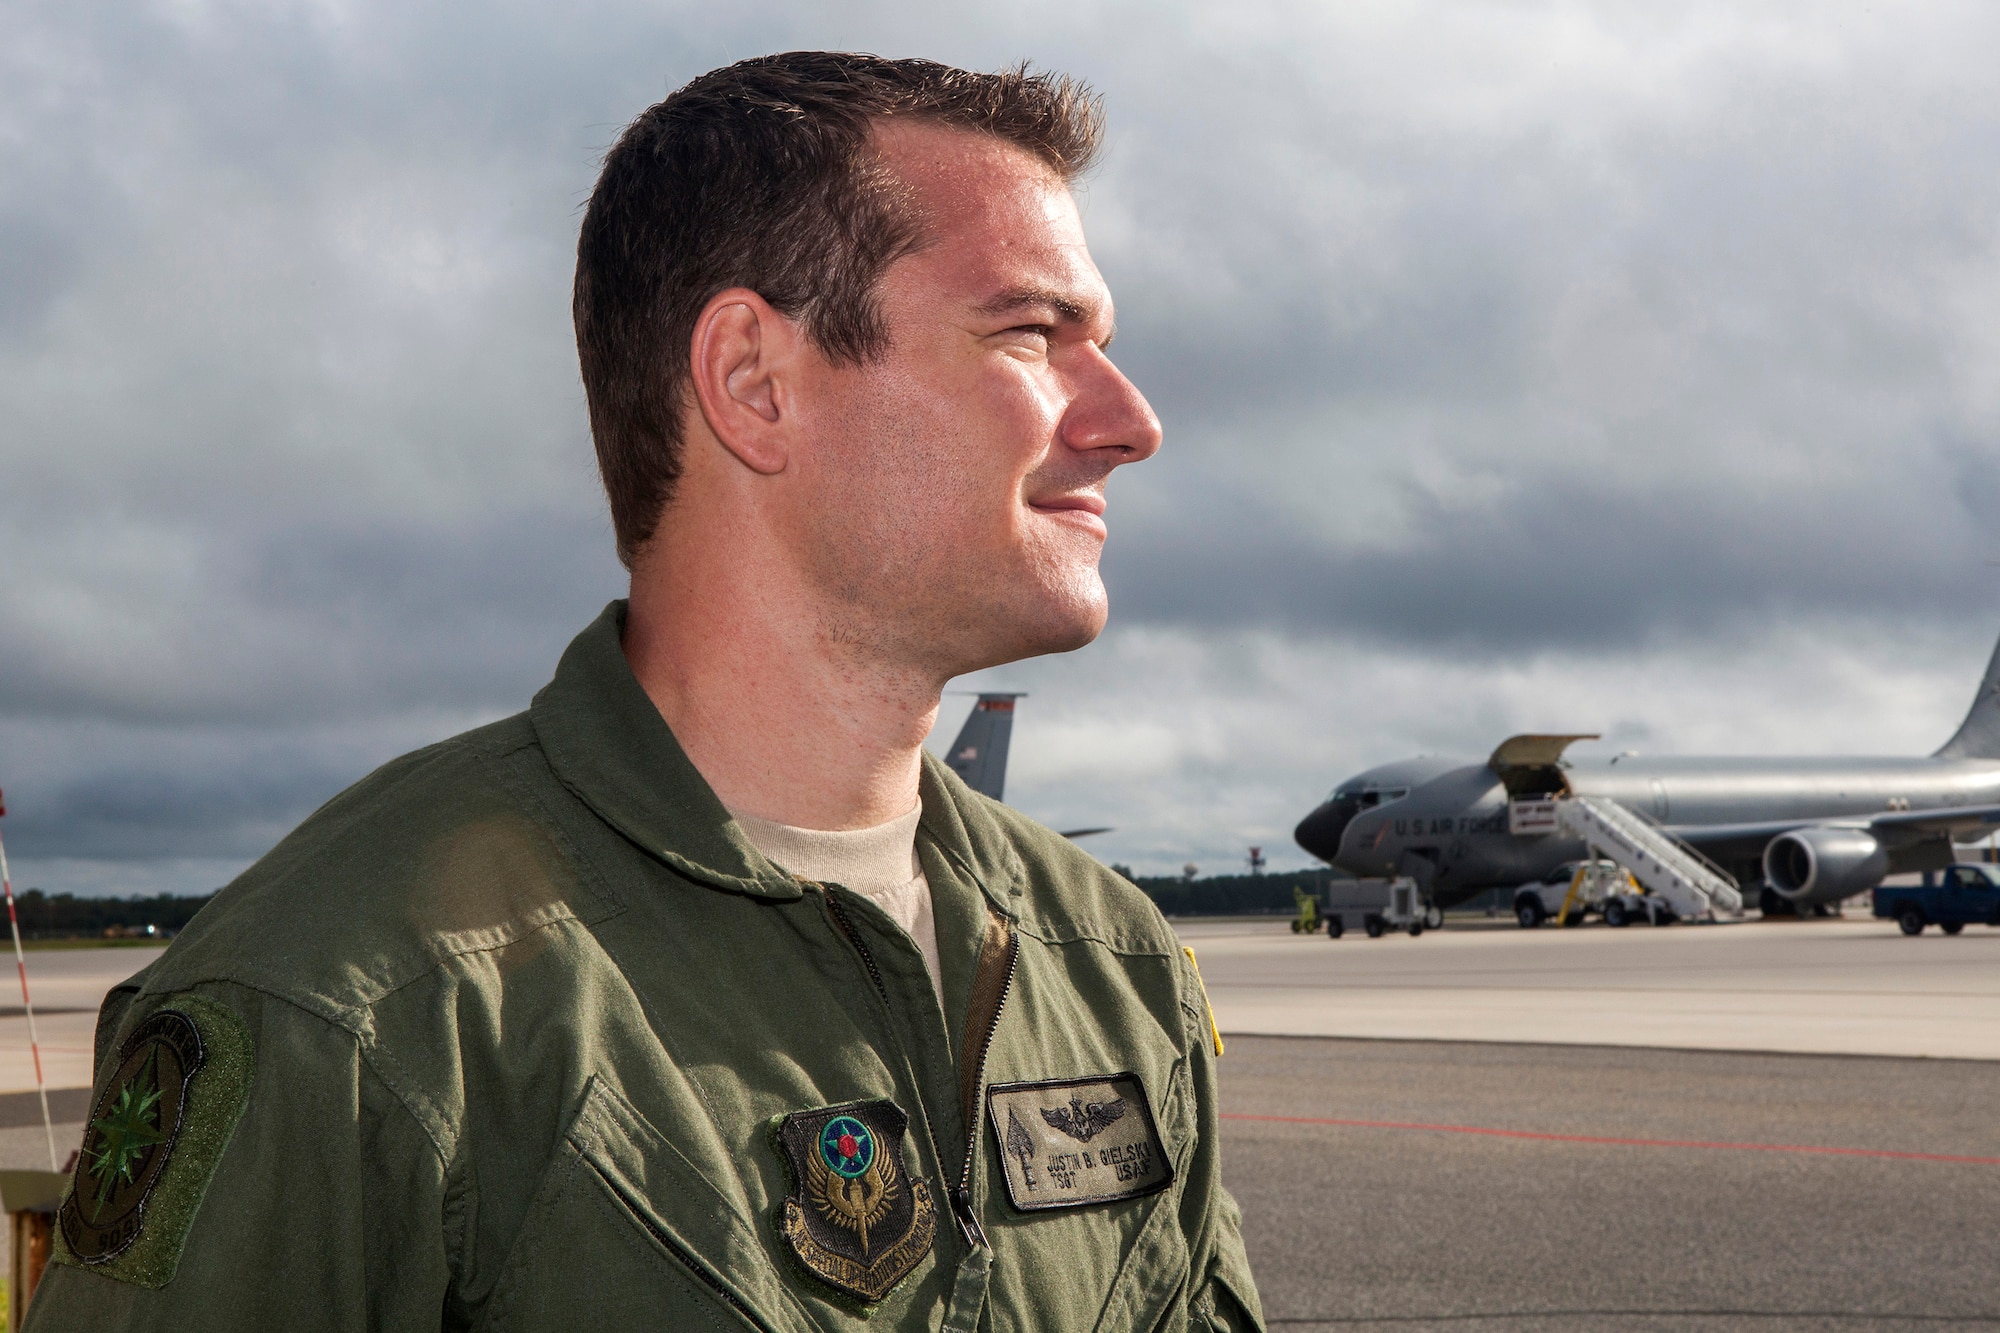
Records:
x=1806, y=832
x=979, y=755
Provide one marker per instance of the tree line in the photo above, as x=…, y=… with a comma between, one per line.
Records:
x=1230, y=895
x=58, y=916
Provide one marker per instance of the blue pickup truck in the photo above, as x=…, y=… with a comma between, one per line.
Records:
x=1962, y=895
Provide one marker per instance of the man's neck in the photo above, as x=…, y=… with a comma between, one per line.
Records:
x=783, y=720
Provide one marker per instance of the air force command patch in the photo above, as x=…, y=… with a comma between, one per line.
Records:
x=1069, y=1142
x=856, y=1217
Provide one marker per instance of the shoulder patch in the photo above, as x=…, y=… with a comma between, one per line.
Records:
x=157, y=1128
x=1069, y=1142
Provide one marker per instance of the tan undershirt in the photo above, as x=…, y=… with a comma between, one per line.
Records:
x=878, y=863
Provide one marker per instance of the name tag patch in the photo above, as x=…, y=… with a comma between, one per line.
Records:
x=1069, y=1142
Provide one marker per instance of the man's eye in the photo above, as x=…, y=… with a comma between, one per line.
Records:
x=1036, y=333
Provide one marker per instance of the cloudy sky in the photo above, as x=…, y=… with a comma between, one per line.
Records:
x=1622, y=367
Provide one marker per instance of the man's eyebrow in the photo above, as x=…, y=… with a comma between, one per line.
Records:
x=1068, y=309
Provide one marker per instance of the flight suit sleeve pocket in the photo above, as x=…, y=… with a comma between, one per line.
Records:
x=625, y=1234
x=1221, y=1310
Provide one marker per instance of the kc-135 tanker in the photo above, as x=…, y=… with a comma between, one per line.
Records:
x=1804, y=832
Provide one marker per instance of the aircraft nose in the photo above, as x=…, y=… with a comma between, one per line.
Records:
x=1319, y=832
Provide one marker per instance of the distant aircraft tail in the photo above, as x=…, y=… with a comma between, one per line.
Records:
x=979, y=755
x=1978, y=737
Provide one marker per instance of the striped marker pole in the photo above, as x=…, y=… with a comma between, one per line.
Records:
x=21, y=966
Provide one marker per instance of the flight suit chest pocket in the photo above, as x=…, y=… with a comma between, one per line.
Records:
x=1085, y=1181
x=625, y=1233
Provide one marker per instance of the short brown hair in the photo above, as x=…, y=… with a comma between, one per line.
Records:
x=759, y=175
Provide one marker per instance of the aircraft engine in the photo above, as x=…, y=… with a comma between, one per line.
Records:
x=1823, y=864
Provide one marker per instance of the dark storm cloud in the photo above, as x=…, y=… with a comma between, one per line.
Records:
x=336, y=622
x=1510, y=578
x=1477, y=332
x=1605, y=379
x=36, y=264
x=138, y=812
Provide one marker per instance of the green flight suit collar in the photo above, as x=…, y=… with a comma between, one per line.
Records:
x=607, y=742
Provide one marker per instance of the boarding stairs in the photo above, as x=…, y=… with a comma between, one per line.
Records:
x=1663, y=865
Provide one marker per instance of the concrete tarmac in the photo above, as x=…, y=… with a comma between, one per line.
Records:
x=1852, y=986
x=67, y=986
x=1766, y=1197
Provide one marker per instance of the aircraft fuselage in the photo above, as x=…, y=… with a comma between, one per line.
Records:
x=1447, y=822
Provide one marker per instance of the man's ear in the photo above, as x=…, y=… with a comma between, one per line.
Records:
x=743, y=357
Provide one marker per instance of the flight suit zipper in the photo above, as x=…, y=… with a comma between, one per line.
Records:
x=846, y=928
x=992, y=982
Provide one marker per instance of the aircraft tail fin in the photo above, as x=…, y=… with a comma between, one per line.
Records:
x=1978, y=737
x=979, y=755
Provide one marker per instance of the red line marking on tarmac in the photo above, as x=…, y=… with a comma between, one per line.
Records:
x=1607, y=1141
x=9, y=1049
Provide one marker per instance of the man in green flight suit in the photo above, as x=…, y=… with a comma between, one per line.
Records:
x=697, y=995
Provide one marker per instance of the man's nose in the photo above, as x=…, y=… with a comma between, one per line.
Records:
x=1109, y=413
